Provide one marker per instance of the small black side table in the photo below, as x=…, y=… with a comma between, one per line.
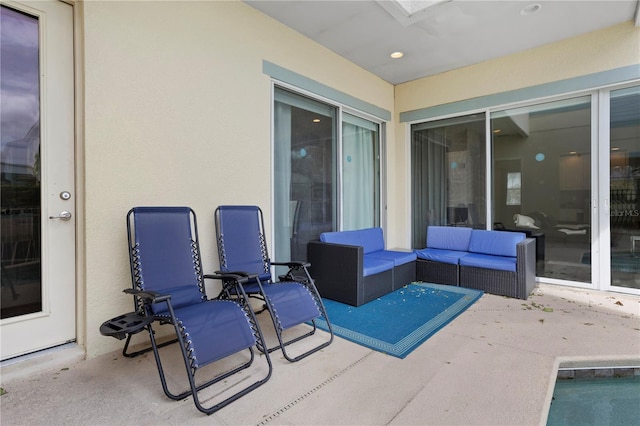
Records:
x=123, y=325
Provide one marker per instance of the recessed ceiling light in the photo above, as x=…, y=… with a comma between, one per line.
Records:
x=531, y=9
x=316, y=120
x=497, y=130
x=397, y=55
x=615, y=148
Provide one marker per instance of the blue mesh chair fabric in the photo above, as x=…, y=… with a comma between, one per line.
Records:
x=242, y=249
x=168, y=284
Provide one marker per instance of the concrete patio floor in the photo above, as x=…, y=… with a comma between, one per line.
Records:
x=493, y=365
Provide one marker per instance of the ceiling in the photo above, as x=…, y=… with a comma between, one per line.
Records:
x=448, y=34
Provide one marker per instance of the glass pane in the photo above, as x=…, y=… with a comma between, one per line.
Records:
x=549, y=146
x=448, y=162
x=513, y=197
x=513, y=189
x=513, y=181
x=625, y=187
x=20, y=194
x=305, y=164
x=360, y=173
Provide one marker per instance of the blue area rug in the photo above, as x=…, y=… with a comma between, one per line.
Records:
x=399, y=322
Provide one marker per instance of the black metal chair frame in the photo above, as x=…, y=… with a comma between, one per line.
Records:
x=143, y=299
x=297, y=273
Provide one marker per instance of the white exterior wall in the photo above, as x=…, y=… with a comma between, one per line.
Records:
x=178, y=112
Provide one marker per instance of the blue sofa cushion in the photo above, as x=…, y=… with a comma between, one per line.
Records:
x=448, y=238
x=398, y=257
x=495, y=242
x=438, y=255
x=488, y=261
x=371, y=239
x=372, y=265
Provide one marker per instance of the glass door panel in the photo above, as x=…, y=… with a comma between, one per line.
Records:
x=448, y=174
x=548, y=148
x=360, y=173
x=304, y=172
x=20, y=193
x=624, y=191
x=37, y=146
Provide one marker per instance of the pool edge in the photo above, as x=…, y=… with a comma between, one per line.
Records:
x=583, y=362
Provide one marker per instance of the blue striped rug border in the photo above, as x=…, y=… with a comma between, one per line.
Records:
x=418, y=336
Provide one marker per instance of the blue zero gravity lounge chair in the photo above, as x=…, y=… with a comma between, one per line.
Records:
x=168, y=288
x=291, y=301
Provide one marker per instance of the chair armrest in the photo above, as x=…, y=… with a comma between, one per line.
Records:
x=148, y=296
x=237, y=276
x=295, y=266
x=292, y=264
x=230, y=273
x=233, y=282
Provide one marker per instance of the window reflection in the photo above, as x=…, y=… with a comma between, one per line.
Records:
x=549, y=147
x=448, y=168
x=304, y=173
x=625, y=187
x=20, y=141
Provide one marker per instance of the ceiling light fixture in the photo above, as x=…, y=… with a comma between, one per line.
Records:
x=397, y=55
x=531, y=9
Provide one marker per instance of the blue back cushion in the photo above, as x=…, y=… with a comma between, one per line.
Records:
x=448, y=238
x=239, y=236
x=371, y=239
x=500, y=243
x=164, y=238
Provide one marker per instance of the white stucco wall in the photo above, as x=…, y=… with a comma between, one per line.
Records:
x=607, y=49
x=177, y=112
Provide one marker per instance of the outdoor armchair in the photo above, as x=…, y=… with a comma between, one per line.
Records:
x=168, y=288
x=292, y=300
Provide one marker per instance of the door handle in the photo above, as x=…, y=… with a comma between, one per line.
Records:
x=64, y=215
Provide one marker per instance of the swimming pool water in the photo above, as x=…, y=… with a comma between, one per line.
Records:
x=596, y=401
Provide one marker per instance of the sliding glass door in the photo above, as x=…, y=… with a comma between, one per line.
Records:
x=448, y=180
x=360, y=173
x=624, y=187
x=542, y=182
x=565, y=171
x=305, y=192
x=326, y=172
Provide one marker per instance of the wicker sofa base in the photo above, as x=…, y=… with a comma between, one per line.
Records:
x=517, y=284
x=404, y=274
x=493, y=281
x=373, y=286
x=337, y=272
x=502, y=283
x=436, y=272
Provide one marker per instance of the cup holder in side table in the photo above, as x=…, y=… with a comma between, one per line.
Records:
x=123, y=325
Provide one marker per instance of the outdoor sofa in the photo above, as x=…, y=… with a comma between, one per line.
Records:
x=353, y=267
x=495, y=262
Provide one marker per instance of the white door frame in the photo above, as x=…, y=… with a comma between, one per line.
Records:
x=55, y=324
